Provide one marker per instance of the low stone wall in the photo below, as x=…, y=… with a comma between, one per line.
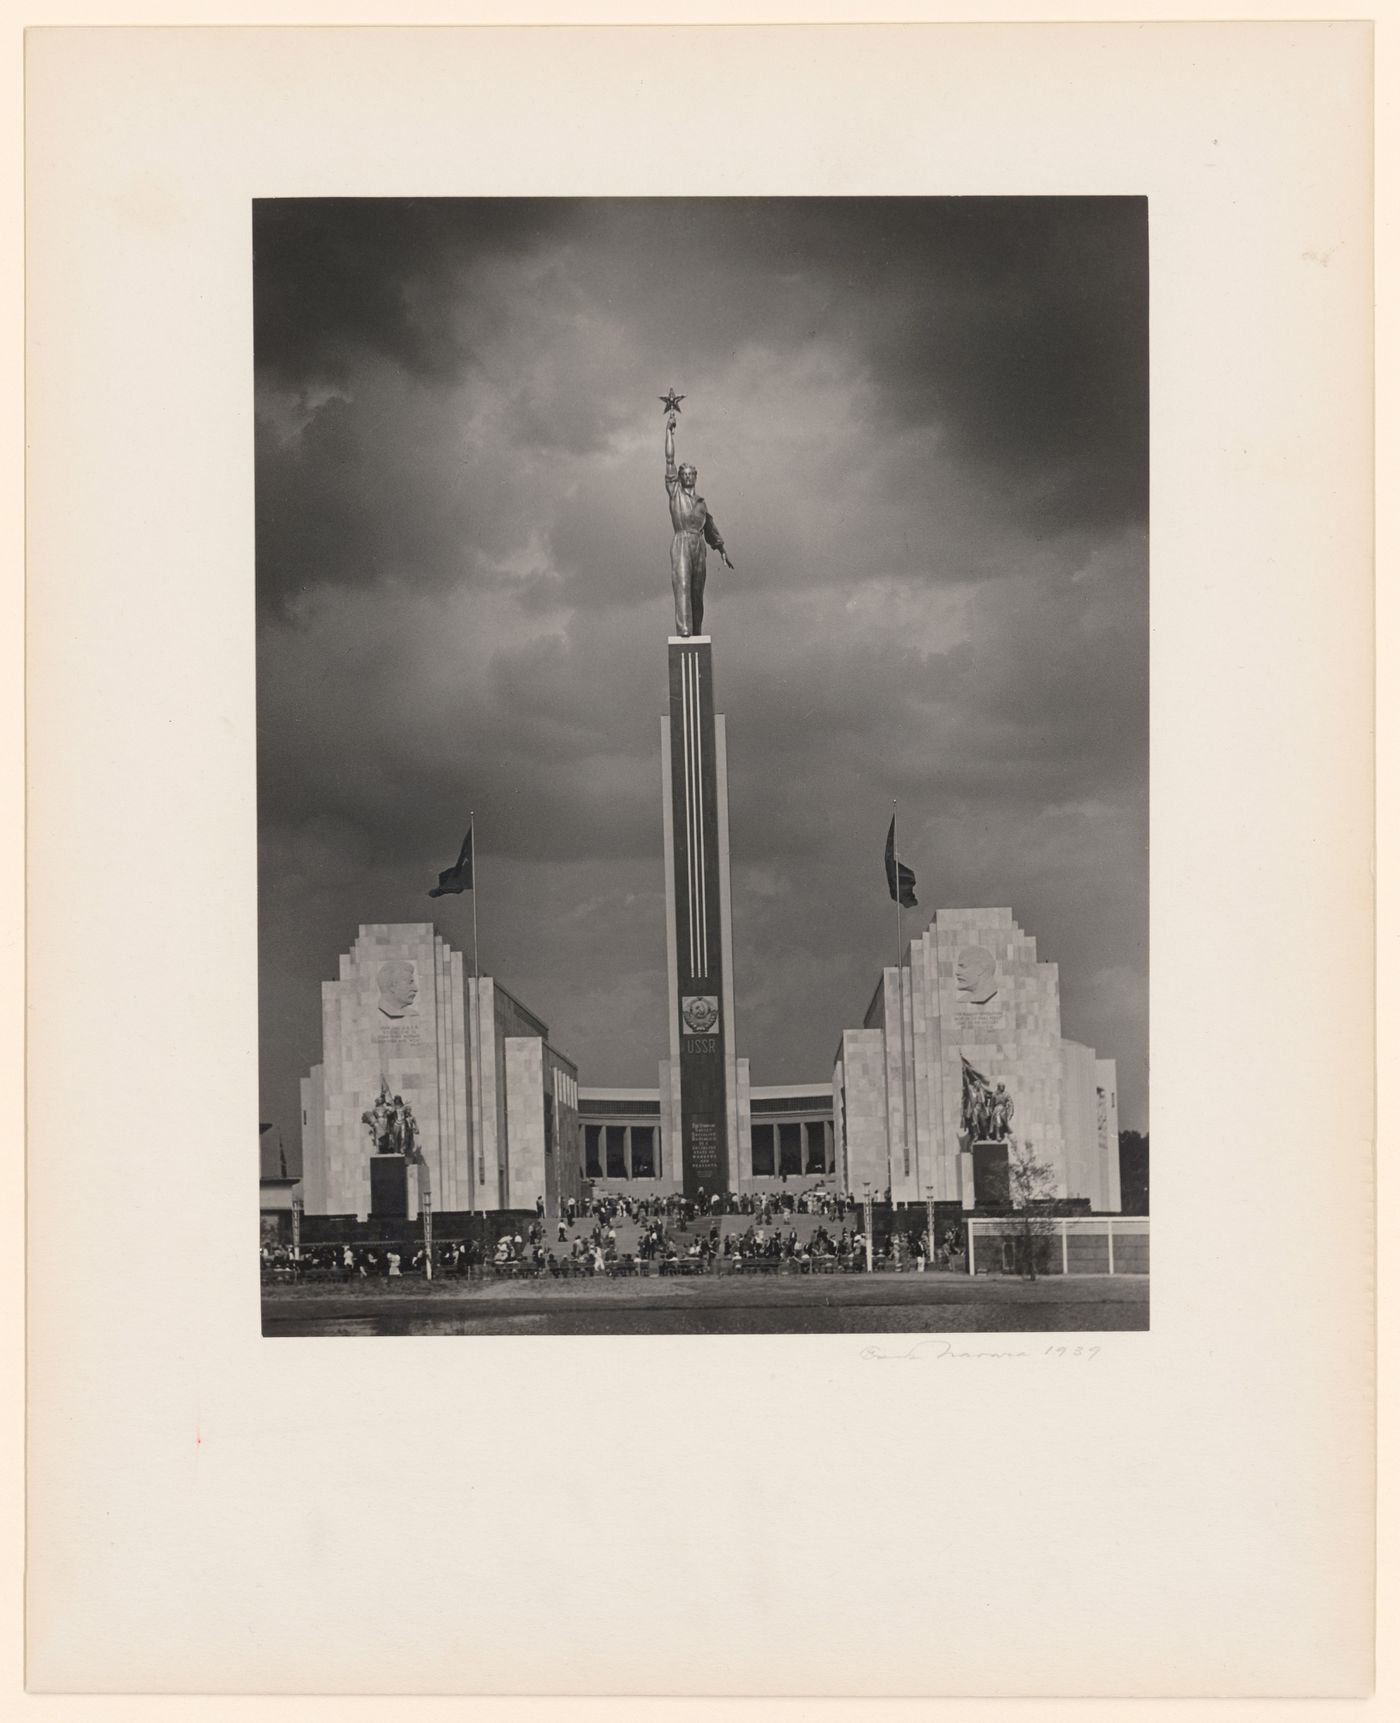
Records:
x=1074, y=1244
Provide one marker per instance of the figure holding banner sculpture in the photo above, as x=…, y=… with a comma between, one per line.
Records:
x=986, y=1112
x=694, y=528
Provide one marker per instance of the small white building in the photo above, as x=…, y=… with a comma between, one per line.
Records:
x=494, y=1104
x=959, y=1057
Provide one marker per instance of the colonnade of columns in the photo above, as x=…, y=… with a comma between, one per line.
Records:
x=634, y=1145
x=637, y=1136
x=806, y=1127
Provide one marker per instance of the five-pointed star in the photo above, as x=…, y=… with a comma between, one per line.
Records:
x=671, y=401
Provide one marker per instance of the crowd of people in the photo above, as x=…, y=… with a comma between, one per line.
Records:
x=693, y=1247
x=674, y=1235
x=389, y=1261
x=830, y=1204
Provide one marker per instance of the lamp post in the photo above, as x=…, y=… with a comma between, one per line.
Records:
x=296, y=1237
x=869, y=1206
x=928, y=1224
x=425, y=1205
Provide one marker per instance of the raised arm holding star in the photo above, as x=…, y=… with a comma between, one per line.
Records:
x=694, y=528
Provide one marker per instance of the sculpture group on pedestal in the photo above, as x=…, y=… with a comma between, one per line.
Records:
x=986, y=1112
x=393, y=1130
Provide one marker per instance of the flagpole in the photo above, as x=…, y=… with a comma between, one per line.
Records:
x=899, y=1007
x=480, y=1108
x=898, y=892
x=909, y=1121
x=899, y=976
x=476, y=957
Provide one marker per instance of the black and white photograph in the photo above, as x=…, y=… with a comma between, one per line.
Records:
x=702, y=700
x=703, y=669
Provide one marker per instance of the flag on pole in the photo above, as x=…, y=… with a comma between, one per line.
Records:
x=900, y=878
x=458, y=877
x=971, y=1074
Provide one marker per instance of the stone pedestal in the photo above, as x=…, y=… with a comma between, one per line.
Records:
x=388, y=1187
x=991, y=1176
x=699, y=944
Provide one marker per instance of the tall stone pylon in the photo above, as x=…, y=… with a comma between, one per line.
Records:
x=701, y=1121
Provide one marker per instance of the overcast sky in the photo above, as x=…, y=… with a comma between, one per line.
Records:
x=922, y=428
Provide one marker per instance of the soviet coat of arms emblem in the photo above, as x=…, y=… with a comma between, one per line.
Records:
x=700, y=1013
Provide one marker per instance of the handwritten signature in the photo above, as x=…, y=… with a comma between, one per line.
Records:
x=937, y=1349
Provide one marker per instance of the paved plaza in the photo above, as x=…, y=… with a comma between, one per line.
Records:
x=871, y=1305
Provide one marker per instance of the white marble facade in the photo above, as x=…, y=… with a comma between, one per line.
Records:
x=972, y=988
x=404, y=1013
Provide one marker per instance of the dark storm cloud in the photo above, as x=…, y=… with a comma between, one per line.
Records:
x=922, y=426
x=424, y=706
x=1017, y=327
x=1020, y=324
x=341, y=278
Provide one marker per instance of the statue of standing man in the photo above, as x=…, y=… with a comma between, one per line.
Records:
x=694, y=528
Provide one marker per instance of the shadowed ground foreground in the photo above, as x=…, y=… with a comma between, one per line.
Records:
x=910, y=1304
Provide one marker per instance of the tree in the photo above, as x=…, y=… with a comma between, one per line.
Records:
x=1133, y=1171
x=1034, y=1209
